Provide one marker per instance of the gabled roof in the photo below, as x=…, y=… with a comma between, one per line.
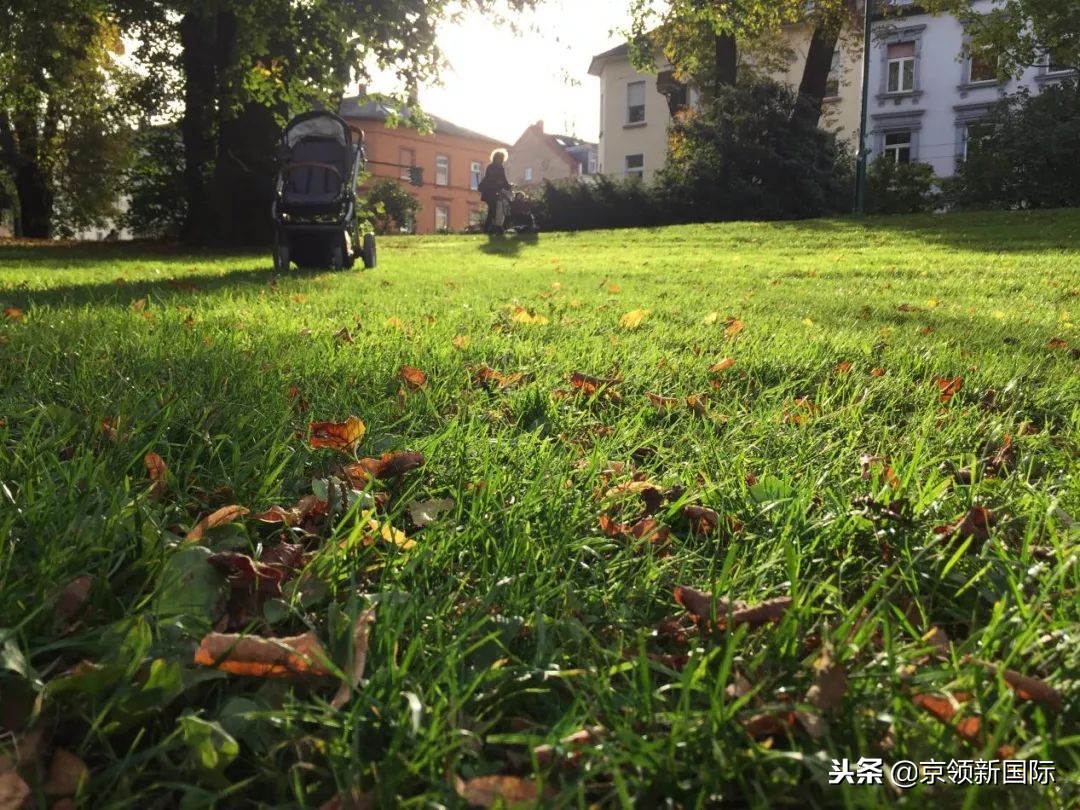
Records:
x=355, y=107
x=601, y=59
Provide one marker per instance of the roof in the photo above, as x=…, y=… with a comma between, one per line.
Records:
x=598, y=61
x=354, y=107
x=569, y=142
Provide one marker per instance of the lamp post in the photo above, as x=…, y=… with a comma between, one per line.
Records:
x=862, y=155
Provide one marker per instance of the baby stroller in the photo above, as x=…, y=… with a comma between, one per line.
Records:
x=513, y=211
x=314, y=209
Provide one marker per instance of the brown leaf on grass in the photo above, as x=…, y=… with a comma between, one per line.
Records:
x=633, y=319
x=1027, y=687
x=186, y=286
x=595, y=385
x=13, y=313
x=842, y=368
x=662, y=404
x=71, y=599
x=698, y=403
x=423, y=513
x=263, y=657
x=830, y=682
x=360, y=650
x=877, y=372
x=733, y=327
x=502, y=791
x=413, y=377
x=1003, y=457
x=523, y=316
x=355, y=799
x=723, y=365
x=286, y=557
x=388, y=465
x=243, y=570
x=908, y=308
x=139, y=305
x=731, y=614
x=159, y=471
x=765, y=725
x=938, y=640
x=702, y=519
x=343, y=335
x=976, y=524
x=226, y=514
x=337, y=435
x=949, y=387
x=1057, y=343
x=945, y=708
x=14, y=792
x=461, y=341
x=66, y=773
x=866, y=465
x=279, y=514
x=110, y=427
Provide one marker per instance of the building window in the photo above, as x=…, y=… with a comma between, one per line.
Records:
x=635, y=102
x=407, y=159
x=442, y=170
x=474, y=175
x=982, y=65
x=476, y=217
x=635, y=166
x=442, y=217
x=592, y=164
x=901, y=67
x=832, y=83
x=975, y=134
x=528, y=174
x=898, y=146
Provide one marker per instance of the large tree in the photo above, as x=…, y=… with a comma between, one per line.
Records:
x=238, y=71
x=63, y=127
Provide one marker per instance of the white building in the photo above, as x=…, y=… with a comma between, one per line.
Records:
x=926, y=99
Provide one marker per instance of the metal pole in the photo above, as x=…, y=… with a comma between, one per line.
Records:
x=862, y=156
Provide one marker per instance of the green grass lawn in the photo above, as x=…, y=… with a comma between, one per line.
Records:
x=838, y=455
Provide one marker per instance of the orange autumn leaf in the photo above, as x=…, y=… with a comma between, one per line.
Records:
x=461, y=342
x=67, y=773
x=485, y=376
x=702, y=519
x=388, y=465
x=945, y=708
x=975, y=523
x=1057, y=343
x=71, y=599
x=662, y=404
x=734, y=327
x=698, y=403
x=723, y=365
x=877, y=372
x=413, y=377
x=949, y=387
x=110, y=427
x=500, y=791
x=139, y=305
x=765, y=725
x=263, y=657
x=158, y=471
x=613, y=289
x=13, y=313
x=279, y=514
x=224, y=515
x=633, y=319
x=699, y=605
x=594, y=385
x=1028, y=688
x=337, y=435
x=842, y=368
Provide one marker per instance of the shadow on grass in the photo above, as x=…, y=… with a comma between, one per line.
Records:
x=509, y=244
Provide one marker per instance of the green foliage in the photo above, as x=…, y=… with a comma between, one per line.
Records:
x=1027, y=157
x=597, y=202
x=155, y=184
x=391, y=207
x=744, y=157
x=1021, y=32
x=901, y=188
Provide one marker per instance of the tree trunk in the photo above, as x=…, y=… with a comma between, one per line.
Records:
x=815, y=77
x=725, y=61
x=199, y=64
x=35, y=202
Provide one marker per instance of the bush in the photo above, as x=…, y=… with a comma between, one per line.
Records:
x=391, y=208
x=743, y=157
x=901, y=188
x=157, y=205
x=1028, y=156
x=597, y=202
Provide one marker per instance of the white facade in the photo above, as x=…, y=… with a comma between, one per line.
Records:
x=926, y=98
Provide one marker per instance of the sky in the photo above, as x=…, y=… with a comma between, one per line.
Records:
x=498, y=83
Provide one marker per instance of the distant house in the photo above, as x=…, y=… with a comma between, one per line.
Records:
x=636, y=108
x=452, y=160
x=538, y=156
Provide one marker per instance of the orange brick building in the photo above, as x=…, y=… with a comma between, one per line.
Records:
x=452, y=158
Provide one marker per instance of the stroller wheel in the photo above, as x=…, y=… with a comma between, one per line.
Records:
x=368, y=251
x=281, y=253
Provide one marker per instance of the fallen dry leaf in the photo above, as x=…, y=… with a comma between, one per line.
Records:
x=488, y=377
x=158, y=470
x=842, y=368
x=343, y=335
x=575, y=742
x=877, y=372
x=423, y=513
x=976, y=524
x=337, y=435
x=945, y=708
x=139, y=305
x=279, y=514
x=734, y=326
x=388, y=465
x=723, y=365
x=71, y=599
x=263, y=657
x=523, y=316
x=765, y=725
x=226, y=514
x=730, y=614
x=413, y=377
x=395, y=323
x=830, y=682
x=702, y=519
x=662, y=404
x=1028, y=688
x=461, y=342
x=355, y=799
x=13, y=313
x=66, y=773
x=360, y=650
x=1057, y=343
x=508, y=791
x=243, y=570
x=633, y=319
x=949, y=387
x=14, y=792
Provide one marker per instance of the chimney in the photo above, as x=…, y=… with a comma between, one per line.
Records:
x=540, y=126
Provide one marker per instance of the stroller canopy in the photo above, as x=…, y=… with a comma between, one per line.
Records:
x=318, y=166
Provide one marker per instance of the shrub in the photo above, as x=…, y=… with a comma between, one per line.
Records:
x=391, y=208
x=596, y=202
x=901, y=188
x=157, y=204
x=1028, y=155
